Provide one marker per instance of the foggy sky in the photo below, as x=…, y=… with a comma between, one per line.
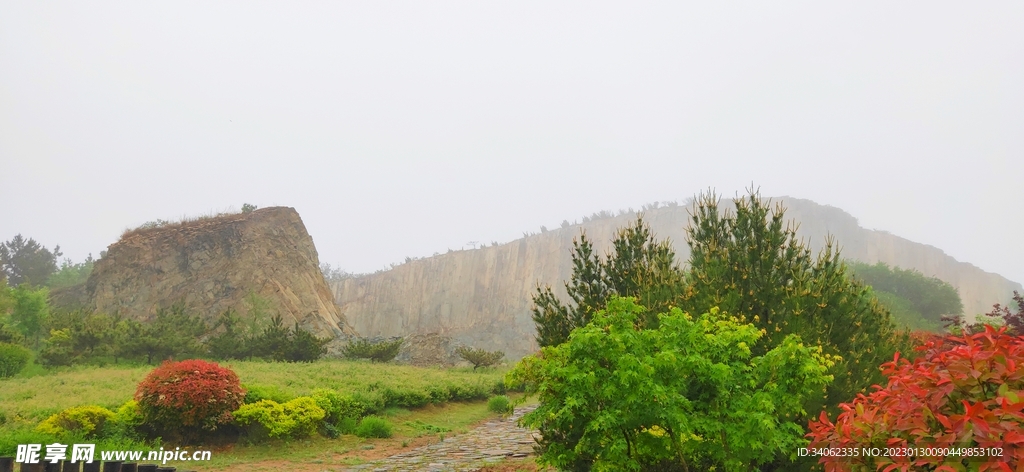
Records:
x=407, y=128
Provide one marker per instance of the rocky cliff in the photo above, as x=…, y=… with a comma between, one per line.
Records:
x=482, y=297
x=213, y=264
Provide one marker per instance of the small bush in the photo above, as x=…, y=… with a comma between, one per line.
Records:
x=13, y=359
x=127, y=420
x=367, y=403
x=381, y=351
x=297, y=418
x=374, y=427
x=500, y=404
x=183, y=396
x=84, y=421
x=347, y=425
x=339, y=405
x=469, y=392
x=330, y=431
x=479, y=357
x=407, y=398
x=255, y=393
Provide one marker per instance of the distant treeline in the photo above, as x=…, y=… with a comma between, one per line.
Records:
x=72, y=337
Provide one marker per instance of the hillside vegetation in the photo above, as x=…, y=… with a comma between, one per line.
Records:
x=915, y=300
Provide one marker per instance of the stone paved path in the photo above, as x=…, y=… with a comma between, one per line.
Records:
x=489, y=443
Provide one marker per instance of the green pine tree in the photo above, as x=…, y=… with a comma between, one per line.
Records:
x=751, y=263
x=639, y=266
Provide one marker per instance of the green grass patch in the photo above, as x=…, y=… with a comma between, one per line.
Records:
x=39, y=396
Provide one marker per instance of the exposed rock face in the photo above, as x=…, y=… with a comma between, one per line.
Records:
x=482, y=297
x=214, y=264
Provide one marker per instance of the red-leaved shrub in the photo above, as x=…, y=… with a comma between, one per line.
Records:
x=965, y=392
x=183, y=397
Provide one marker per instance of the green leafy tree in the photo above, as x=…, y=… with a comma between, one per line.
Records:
x=173, y=333
x=234, y=342
x=273, y=342
x=6, y=296
x=639, y=266
x=479, y=357
x=375, y=351
x=30, y=312
x=304, y=346
x=59, y=349
x=13, y=359
x=688, y=396
x=8, y=334
x=79, y=336
x=25, y=261
x=751, y=263
x=70, y=274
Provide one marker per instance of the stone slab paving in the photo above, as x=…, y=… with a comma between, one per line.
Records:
x=489, y=443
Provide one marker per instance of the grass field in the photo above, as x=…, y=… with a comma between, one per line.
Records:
x=27, y=400
x=34, y=398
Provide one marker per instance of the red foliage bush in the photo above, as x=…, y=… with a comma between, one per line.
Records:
x=964, y=392
x=184, y=396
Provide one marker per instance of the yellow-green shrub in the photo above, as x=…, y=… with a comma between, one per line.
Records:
x=87, y=421
x=127, y=421
x=129, y=414
x=296, y=418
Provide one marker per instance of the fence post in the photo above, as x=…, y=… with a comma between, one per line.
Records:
x=129, y=467
x=112, y=466
x=71, y=466
x=6, y=464
x=93, y=466
x=148, y=468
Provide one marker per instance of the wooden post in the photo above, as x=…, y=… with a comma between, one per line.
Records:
x=71, y=466
x=52, y=467
x=112, y=466
x=31, y=467
x=166, y=469
x=93, y=466
x=6, y=464
x=129, y=467
x=148, y=468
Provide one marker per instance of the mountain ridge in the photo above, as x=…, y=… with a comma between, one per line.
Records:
x=482, y=296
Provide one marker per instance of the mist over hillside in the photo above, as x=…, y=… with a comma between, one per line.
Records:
x=482, y=296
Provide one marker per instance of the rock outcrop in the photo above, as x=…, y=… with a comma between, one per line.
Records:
x=213, y=264
x=482, y=297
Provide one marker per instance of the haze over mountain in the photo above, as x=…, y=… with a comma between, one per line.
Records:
x=405, y=128
x=482, y=296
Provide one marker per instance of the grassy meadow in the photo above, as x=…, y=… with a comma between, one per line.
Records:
x=26, y=400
